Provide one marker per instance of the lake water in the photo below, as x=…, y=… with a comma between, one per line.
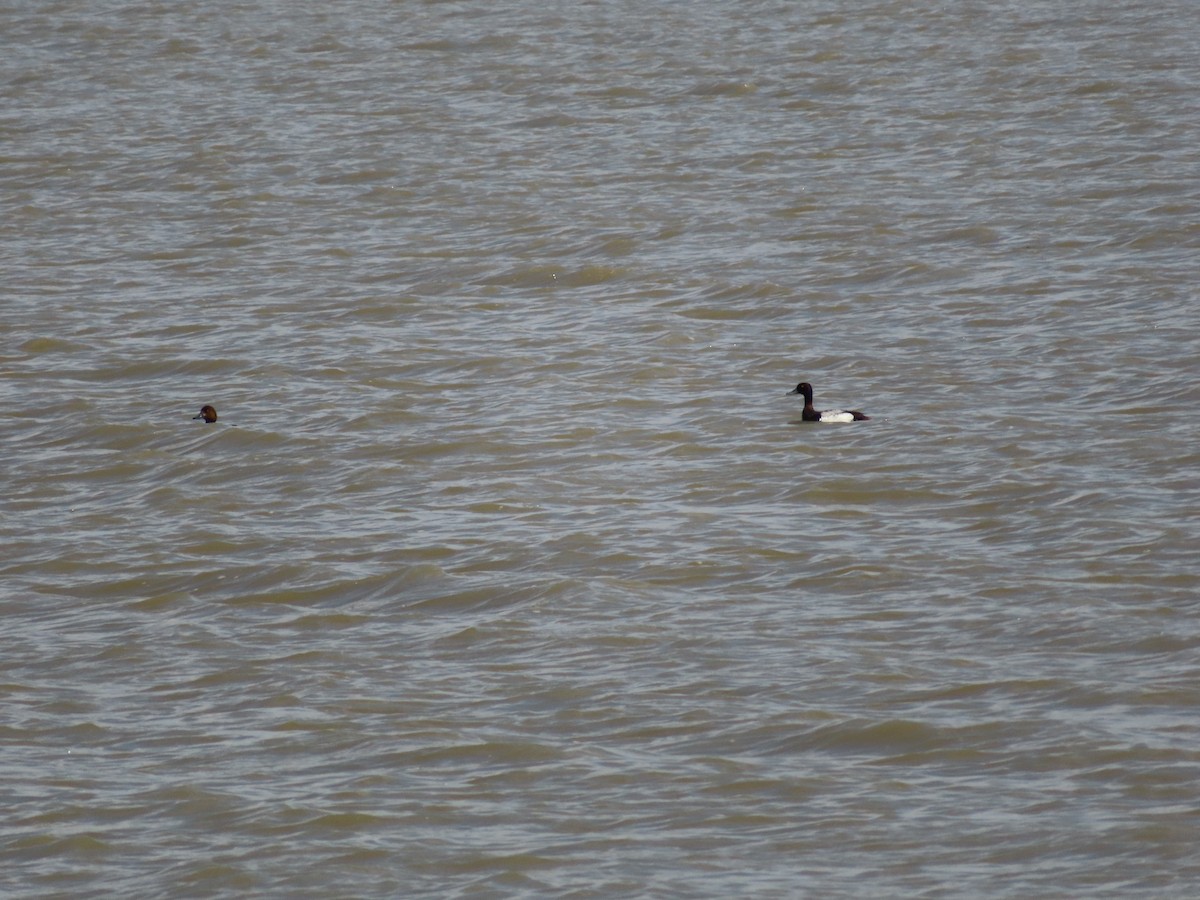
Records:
x=508, y=569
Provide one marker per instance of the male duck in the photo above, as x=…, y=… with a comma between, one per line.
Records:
x=827, y=415
x=207, y=413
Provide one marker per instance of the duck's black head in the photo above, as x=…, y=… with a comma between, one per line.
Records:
x=207, y=413
x=805, y=389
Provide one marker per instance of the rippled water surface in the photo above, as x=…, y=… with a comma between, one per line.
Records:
x=509, y=568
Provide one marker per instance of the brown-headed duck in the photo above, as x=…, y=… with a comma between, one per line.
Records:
x=826, y=415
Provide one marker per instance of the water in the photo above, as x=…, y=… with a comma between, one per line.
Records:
x=508, y=570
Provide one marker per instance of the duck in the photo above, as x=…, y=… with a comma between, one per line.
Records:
x=207, y=413
x=825, y=415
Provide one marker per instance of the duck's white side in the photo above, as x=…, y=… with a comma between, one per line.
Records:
x=835, y=415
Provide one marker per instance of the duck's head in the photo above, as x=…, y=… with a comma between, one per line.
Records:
x=805, y=389
x=207, y=413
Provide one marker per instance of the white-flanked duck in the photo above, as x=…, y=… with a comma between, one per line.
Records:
x=825, y=415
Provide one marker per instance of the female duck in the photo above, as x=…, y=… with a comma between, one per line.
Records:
x=207, y=413
x=826, y=415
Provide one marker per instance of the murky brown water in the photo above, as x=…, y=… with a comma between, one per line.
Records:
x=508, y=570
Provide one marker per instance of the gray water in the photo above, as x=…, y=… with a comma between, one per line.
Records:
x=509, y=569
